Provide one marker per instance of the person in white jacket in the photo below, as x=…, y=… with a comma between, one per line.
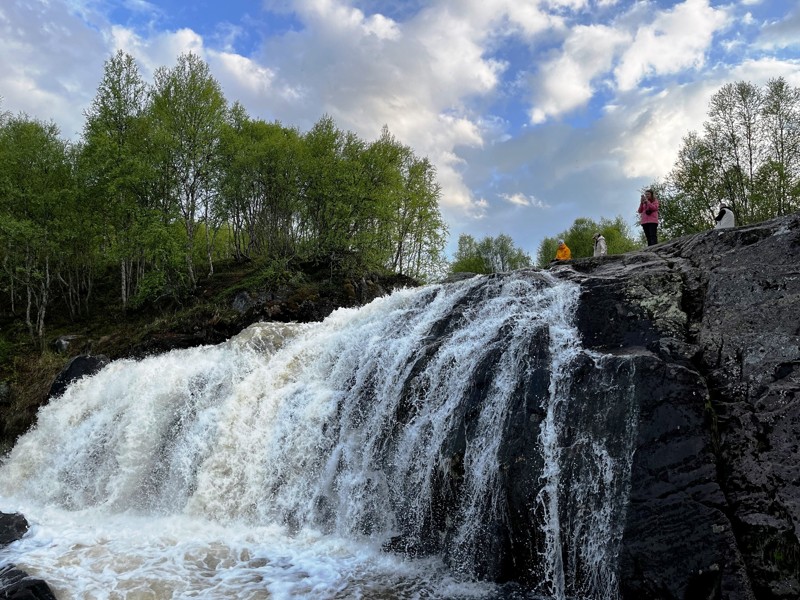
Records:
x=600, y=247
x=725, y=217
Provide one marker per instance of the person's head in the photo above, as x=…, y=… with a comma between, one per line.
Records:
x=597, y=235
x=649, y=194
x=560, y=242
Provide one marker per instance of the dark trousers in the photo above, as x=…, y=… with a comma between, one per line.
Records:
x=650, y=233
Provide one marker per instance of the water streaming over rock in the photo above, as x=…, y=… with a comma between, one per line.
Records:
x=415, y=447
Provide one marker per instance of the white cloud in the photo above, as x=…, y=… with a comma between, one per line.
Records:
x=567, y=82
x=40, y=44
x=239, y=74
x=531, y=19
x=650, y=129
x=160, y=50
x=784, y=33
x=520, y=199
x=673, y=41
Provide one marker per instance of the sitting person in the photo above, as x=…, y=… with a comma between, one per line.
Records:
x=563, y=252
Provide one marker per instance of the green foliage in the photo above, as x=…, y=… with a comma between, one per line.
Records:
x=490, y=255
x=169, y=175
x=36, y=196
x=580, y=239
x=468, y=258
x=189, y=110
x=747, y=157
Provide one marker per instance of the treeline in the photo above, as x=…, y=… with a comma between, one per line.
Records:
x=746, y=156
x=489, y=255
x=580, y=239
x=169, y=178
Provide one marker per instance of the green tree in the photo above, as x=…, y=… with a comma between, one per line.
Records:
x=778, y=177
x=81, y=237
x=734, y=137
x=260, y=185
x=468, y=258
x=418, y=230
x=748, y=157
x=189, y=111
x=490, y=255
x=322, y=237
x=406, y=231
x=35, y=188
x=367, y=206
x=117, y=167
x=691, y=195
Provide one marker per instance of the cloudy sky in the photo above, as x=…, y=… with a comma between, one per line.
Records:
x=535, y=112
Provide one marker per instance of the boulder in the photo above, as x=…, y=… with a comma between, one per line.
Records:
x=80, y=366
x=12, y=528
x=16, y=584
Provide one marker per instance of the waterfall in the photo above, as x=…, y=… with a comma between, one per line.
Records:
x=401, y=424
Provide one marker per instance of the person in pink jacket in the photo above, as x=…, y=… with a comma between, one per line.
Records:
x=648, y=209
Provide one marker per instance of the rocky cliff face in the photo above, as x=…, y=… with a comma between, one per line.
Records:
x=713, y=323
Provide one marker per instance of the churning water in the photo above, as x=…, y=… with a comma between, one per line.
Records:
x=282, y=463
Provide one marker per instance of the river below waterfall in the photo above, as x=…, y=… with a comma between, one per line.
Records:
x=288, y=461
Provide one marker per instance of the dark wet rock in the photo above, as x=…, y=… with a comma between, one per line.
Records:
x=16, y=584
x=697, y=388
x=701, y=345
x=63, y=342
x=242, y=302
x=715, y=496
x=12, y=528
x=76, y=368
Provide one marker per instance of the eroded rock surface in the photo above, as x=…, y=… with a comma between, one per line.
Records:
x=715, y=498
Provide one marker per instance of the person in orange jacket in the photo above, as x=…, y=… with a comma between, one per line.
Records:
x=563, y=252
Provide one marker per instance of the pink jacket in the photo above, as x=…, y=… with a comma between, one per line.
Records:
x=646, y=206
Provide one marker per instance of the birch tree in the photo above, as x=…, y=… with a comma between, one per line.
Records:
x=189, y=111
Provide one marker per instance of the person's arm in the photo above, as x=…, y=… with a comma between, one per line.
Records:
x=719, y=216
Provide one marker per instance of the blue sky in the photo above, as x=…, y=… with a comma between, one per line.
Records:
x=535, y=112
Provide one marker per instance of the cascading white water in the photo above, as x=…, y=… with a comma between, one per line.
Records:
x=278, y=463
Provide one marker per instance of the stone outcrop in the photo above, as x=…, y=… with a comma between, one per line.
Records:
x=714, y=318
x=82, y=365
x=705, y=332
x=16, y=584
x=12, y=528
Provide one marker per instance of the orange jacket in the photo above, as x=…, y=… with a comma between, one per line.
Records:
x=563, y=252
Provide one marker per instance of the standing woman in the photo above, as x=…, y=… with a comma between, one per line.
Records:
x=648, y=209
